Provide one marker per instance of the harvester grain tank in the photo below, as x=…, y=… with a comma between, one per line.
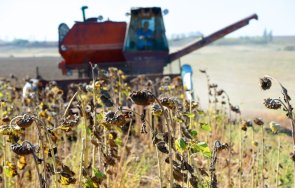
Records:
x=118, y=44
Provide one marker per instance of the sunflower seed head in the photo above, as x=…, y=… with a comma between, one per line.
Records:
x=235, y=109
x=272, y=104
x=203, y=71
x=258, y=121
x=220, y=92
x=265, y=83
x=142, y=97
x=292, y=156
x=249, y=123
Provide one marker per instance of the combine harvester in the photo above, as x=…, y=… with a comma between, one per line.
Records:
x=140, y=47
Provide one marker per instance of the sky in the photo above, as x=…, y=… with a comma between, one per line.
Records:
x=38, y=20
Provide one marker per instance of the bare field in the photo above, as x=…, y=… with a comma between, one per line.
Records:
x=23, y=62
x=235, y=68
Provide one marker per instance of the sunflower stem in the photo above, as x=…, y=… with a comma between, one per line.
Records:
x=81, y=161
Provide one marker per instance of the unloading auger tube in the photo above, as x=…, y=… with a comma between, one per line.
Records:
x=211, y=38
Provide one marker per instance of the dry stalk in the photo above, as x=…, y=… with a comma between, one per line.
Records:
x=69, y=104
x=218, y=146
x=159, y=167
x=278, y=161
x=40, y=122
x=262, y=153
x=169, y=142
x=94, y=108
x=4, y=159
x=81, y=161
x=119, y=178
x=230, y=155
x=240, y=159
x=253, y=161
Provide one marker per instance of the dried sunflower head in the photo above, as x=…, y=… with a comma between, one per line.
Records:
x=211, y=86
x=218, y=146
x=157, y=110
x=70, y=122
x=43, y=114
x=258, y=121
x=112, y=119
x=166, y=80
x=292, y=156
x=235, y=109
x=244, y=126
x=56, y=91
x=120, y=120
x=178, y=175
x=254, y=143
x=162, y=147
x=43, y=106
x=272, y=104
x=25, y=121
x=109, y=116
x=107, y=101
x=170, y=102
x=12, y=130
x=67, y=176
x=274, y=126
x=220, y=92
x=5, y=119
x=25, y=149
x=202, y=71
x=193, y=105
x=13, y=139
x=249, y=123
x=102, y=74
x=142, y=97
x=265, y=83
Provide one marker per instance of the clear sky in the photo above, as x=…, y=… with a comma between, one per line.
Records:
x=39, y=19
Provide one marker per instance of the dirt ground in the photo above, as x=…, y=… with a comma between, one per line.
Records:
x=24, y=61
x=237, y=69
x=23, y=66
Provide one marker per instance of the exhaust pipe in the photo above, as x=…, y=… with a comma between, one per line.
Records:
x=83, y=12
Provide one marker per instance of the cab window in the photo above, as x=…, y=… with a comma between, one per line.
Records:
x=146, y=31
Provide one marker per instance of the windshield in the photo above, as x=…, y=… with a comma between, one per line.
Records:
x=146, y=31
